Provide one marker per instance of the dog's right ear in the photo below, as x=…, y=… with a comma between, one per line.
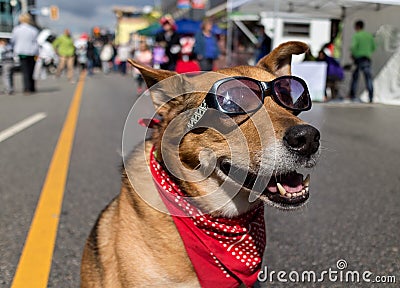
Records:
x=161, y=94
x=278, y=62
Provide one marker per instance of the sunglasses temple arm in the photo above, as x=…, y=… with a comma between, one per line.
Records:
x=198, y=114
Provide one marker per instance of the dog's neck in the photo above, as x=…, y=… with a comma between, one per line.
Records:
x=222, y=250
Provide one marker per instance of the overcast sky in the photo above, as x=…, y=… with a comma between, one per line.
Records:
x=81, y=15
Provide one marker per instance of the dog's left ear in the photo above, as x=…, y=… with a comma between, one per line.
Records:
x=278, y=62
x=150, y=75
x=164, y=91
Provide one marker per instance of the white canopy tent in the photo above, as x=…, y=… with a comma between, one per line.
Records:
x=311, y=8
x=324, y=9
x=381, y=16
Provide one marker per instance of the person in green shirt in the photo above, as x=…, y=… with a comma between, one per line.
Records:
x=362, y=47
x=64, y=46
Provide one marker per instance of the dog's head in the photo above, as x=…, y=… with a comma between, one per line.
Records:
x=221, y=157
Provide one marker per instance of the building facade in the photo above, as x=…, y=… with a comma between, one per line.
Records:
x=9, y=12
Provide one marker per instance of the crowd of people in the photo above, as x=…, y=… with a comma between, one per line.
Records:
x=362, y=47
x=41, y=52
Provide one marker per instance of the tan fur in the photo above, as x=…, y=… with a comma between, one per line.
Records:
x=133, y=244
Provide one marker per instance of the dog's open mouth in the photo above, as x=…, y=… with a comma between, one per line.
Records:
x=289, y=189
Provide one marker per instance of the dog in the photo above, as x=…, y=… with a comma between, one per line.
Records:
x=190, y=210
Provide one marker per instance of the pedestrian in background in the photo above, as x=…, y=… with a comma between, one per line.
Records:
x=362, y=47
x=123, y=54
x=7, y=66
x=144, y=56
x=81, y=51
x=206, y=46
x=47, y=59
x=24, y=41
x=334, y=73
x=168, y=39
x=264, y=43
x=91, y=54
x=106, y=55
x=65, y=48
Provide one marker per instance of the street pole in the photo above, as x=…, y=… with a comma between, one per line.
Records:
x=276, y=11
x=24, y=6
x=229, y=31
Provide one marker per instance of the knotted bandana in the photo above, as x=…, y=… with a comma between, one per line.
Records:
x=224, y=251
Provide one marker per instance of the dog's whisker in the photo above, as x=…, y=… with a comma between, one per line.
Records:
x=197, y=167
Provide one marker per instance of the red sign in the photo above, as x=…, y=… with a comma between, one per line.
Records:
x=199, y=4
x=183, y=4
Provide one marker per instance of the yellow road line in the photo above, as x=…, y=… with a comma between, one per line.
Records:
x=35, y=262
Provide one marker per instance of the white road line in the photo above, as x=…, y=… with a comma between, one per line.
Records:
x=18, y=127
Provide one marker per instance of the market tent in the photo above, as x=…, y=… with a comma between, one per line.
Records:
x=254, y=10
x=305, y=8
x=184, y=26
x=150, y=30
x=187, y=26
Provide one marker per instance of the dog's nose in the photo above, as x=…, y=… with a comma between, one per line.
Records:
x=302, y=139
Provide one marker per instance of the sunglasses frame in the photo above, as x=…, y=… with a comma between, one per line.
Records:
x=210, y=101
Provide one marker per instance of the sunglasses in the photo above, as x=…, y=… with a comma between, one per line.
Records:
x=243, y=95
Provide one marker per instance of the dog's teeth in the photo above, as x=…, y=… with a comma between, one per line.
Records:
x=306, y=189
x=306, y=181
x=282, y=190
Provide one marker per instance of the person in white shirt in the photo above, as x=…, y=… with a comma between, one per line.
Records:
x=26, y=47
x=123, y=54
x=144, y=56
x=47, y=57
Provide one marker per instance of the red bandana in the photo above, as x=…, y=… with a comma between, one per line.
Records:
x=224, y=251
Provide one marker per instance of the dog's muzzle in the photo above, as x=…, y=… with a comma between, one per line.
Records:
x=290, y=189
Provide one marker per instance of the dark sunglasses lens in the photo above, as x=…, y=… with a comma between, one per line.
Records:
x=239, y=96
x=292, y=93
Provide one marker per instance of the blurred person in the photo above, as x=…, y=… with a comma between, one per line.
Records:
x=362, y=48
x=221, y=61
x=24, y=41
x=46, y=60
x=187, y=62
x=91, y=54
x=106, y=56
x=81, y=51
x=144, y=56
x=264, y=44
x=7, y=64
x=334, y=73
x=168, y=39
x=98, y=45
x=65, y=48
x=123, y=54
x=206, y=46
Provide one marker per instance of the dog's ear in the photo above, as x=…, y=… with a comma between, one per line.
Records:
x=278, y=62
x=150, y=75
x=162, y=92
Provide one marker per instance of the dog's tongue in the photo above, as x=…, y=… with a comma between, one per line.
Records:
x=292, y=182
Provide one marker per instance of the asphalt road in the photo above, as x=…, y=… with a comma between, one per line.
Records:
x=353, y=213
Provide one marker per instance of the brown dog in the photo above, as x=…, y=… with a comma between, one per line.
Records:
x=225, y=145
